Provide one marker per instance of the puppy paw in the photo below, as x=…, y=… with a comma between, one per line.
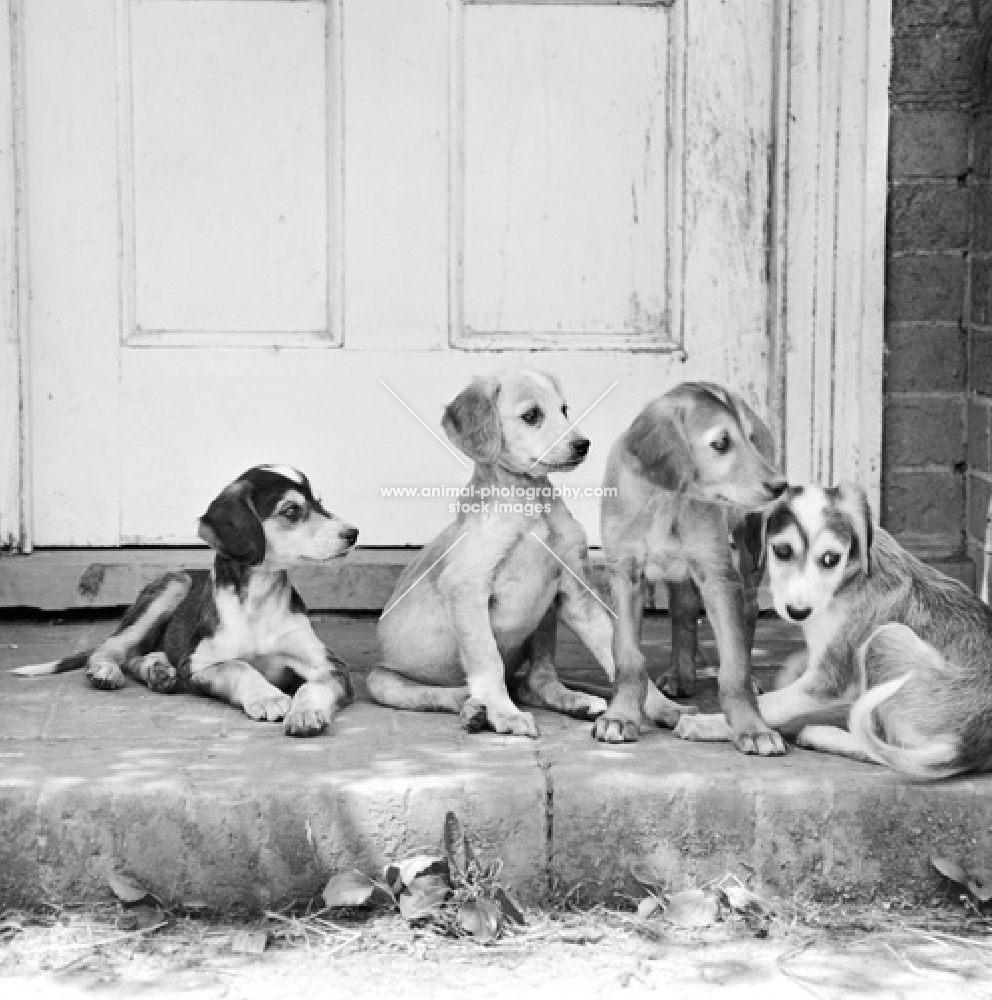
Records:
x=272, y=708
x=477, y=716
x=159, y=674
x=616, y=728
x=763, y=744
x=305, y=722
x=592, y=708
x=703, y=729
x=106, y=676
x=673, y=686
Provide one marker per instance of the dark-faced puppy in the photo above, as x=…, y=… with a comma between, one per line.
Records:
x=479, y=606
x=679, y=483
x=240, y=632
x=905, y=650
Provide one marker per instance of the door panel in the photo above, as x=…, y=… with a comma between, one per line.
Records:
x=256, y=223
x=226, y=163
x=564, y=175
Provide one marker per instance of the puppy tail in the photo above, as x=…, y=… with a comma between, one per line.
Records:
x=75, y=662
x=894, y=647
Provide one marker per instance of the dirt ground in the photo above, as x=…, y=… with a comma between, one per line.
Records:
x=792, y=949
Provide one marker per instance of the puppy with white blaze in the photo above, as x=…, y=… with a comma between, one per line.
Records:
x=894, y=648
x=239, y=632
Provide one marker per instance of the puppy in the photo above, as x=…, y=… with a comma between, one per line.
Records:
x=679, y=483
x=239, y=632
x=480, y=605
x=896, y=650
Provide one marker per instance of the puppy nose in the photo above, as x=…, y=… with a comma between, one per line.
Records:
x=581, y=446
x=777, y=488
x=349, y=535
x=797, y=614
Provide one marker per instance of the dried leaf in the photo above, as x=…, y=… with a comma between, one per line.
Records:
x=127, y=889
x=980, y=884
x=693, y=908
x=455, y=844
x=744, y=901
x=249, y=942
x=512, y=910
x=648, y=907
x=419, y=904
x=950, y=869
x=348, y=888
x=391, y=875
x=644, y=873
x=482, y=918
x=141, y=917
x=421, y=864
x=430, y=882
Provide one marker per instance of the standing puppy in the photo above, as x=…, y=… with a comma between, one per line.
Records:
x=240, y=632
x=480, y=604
x=904, y=649
x=679, y=482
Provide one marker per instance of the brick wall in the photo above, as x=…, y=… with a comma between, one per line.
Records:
x=933, y=239
x=979, y=414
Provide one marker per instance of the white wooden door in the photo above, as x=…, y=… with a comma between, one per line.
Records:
x=267, y=230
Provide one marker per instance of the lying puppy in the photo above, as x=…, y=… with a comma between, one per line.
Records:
x=679, y=483
x=240, y=632
x=480, y=604
x=904, y=649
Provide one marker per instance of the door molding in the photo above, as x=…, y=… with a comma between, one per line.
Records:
x=831, y=240
x=15, y=395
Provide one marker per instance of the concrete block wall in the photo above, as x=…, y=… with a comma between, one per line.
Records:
x=937, y=233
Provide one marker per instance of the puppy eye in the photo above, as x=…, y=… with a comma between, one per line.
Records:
x=782, y=550
x=721, y=444
x=564, y=411
x=292, y=512
x=829, y=559
x=532, y=416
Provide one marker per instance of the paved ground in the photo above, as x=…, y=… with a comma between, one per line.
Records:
x=203, y=805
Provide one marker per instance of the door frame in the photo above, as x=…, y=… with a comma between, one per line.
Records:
x=827, y=234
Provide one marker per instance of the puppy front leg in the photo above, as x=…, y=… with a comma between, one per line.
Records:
x=723, y=595
x=489, y=701
x=622, y=721
x=685, y=604
x=326, y=687
x=589, y=619
x=238, y=683
x=541, y=686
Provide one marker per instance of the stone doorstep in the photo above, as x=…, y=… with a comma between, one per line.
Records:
x=80, y=579
x=202, y=805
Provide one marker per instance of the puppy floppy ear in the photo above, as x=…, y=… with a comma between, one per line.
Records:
x=471, y=421
x=853, y=501
x=231, y=525
x=658, y=441
x=763, y=442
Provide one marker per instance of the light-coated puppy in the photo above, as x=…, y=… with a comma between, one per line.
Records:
x=898, y=655
x=680, y=481
x=475, y=615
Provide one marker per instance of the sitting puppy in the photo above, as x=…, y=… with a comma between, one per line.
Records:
x=479, y=605
x=901, y=648
x=679, y=483
x=239, y=633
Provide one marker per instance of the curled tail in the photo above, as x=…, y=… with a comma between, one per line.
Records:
x=897, y=649
x=75, y=662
